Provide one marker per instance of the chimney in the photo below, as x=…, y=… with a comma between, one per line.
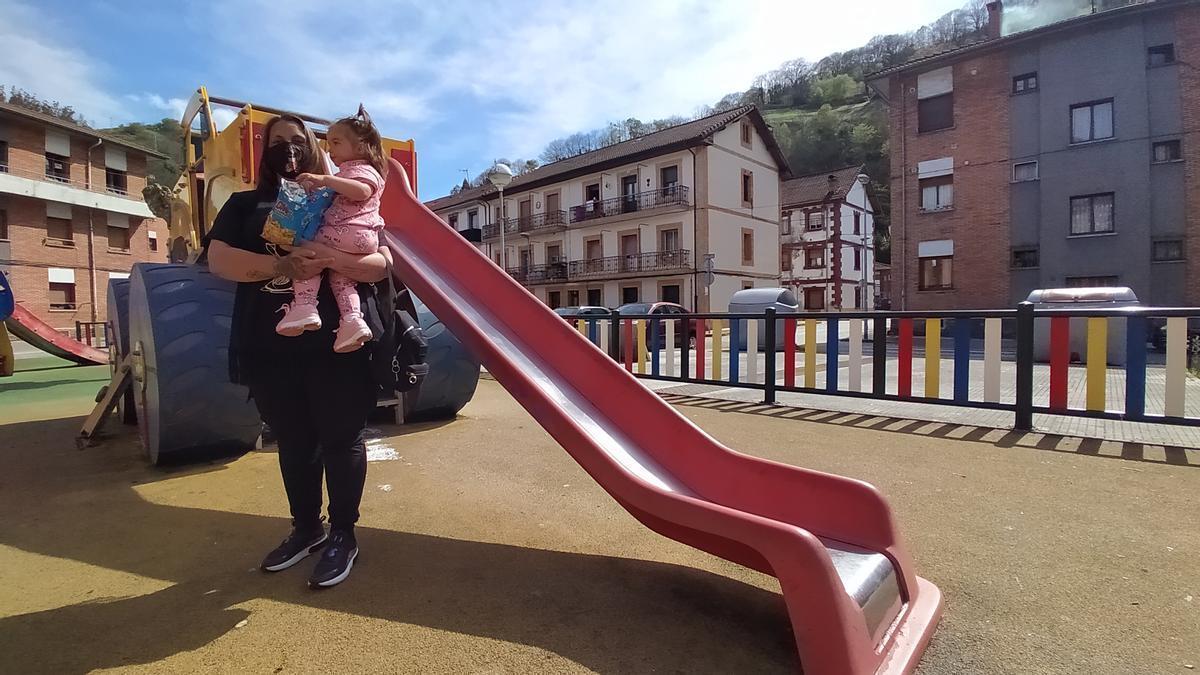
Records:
x=995, y=10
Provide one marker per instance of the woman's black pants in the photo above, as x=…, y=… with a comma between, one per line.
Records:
x=317, y=409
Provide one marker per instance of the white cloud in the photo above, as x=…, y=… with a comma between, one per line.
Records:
x=173, y=106
x=37, y=61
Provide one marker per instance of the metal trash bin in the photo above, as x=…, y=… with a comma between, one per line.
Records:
x=757, y=301
x=1082, y=298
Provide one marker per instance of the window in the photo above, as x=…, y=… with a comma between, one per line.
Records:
x=816, y=221
x=747, y=285
x=59, y=231
x=858, y=296
x=591, y=193
x=3, y=225
x=747, y=188
x=747, y=134
x=934, y=114
x=62, y=295
x=153, y=238
x=1161, y=55
x=671, y=293
x=1167, y=250
x=1025, y=83
x=668, y=240
x=454, y=220
x=785, y=260
x=57, y=168
x=668, y=179
x=858, y=259
x=572, y=298
x=555, y=298
x=1167, y=151
x=814, y=258
x=1023, y=171
x=937, y=194
x=936, y=273
x=857, y=223
x=116, y=181
x=747, y=247
x=595, y=297
x=629, y=294
x=1092, y=121
x=1092, y=214
x=1092, y=282
x=118, y=238
x=785, y=223
x=473, y=219
x=1024, y=258
x=3, y=156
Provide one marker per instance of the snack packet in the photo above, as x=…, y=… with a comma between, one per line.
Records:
x=296, y=214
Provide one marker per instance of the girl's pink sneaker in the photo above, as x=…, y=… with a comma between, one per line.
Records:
x=298, y=318
x=352, y=334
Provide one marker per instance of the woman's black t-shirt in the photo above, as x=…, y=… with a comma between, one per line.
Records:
x=258, y=305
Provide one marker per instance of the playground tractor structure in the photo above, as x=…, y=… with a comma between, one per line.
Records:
x=169, y=323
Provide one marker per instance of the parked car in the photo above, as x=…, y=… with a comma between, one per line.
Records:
x=665, y=310
x=573, y=313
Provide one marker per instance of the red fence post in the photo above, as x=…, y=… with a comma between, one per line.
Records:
x=904, y=359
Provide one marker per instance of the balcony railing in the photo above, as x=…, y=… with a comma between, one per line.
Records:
x=535, y=223
x=63, y=179
x=660, y=261
x=651, y=199
x=540, y=274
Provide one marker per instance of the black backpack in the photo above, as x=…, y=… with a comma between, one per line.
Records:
x=398, y=352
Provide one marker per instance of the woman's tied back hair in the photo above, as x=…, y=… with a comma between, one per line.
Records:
x=363, y=129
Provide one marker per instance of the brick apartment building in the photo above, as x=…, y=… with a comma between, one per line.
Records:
x=633, y=222
x=1065, y=155
x=71, y=215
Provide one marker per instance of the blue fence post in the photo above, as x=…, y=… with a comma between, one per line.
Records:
x=593, y=333
x=962, y=359
x=769, y=358
x=831, y=354
x=1135, y=367
x=735, y=352
x=1024, y=416
x=654, y=336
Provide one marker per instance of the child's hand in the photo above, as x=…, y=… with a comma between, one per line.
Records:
x=311, y=181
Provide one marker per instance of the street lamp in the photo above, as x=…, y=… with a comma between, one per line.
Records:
x=500, y=176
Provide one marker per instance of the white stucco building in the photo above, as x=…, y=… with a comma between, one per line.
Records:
x=827, y=240
x=632, y=222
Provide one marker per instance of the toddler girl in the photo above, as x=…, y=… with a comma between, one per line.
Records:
x=351, y=224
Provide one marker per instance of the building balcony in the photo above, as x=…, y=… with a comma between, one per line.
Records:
x=57, y=187
x=555, y=272
x=675, y=196
x=640, y=264
x=550, y=221
x=658, y=262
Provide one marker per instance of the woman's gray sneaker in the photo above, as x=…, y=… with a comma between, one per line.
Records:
x=336, y=562
x=295, y=548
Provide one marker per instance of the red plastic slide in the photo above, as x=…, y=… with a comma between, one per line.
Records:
x=855, y=603
x=25, y=326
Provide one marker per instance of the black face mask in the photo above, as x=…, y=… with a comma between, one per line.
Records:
x=287, y=159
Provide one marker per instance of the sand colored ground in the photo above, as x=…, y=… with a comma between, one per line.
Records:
x=486, y=549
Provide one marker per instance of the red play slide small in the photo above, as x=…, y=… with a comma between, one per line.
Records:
x=856, y=605
x=25, y=326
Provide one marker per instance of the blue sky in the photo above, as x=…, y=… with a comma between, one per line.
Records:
x=470, y=81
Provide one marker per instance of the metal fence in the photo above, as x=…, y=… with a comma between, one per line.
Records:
x=1132, y=364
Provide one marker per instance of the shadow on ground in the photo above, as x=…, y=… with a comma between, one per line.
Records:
x=1136, y=452
x=605, y=613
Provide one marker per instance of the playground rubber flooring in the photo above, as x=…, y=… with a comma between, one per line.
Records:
x=486, y=549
